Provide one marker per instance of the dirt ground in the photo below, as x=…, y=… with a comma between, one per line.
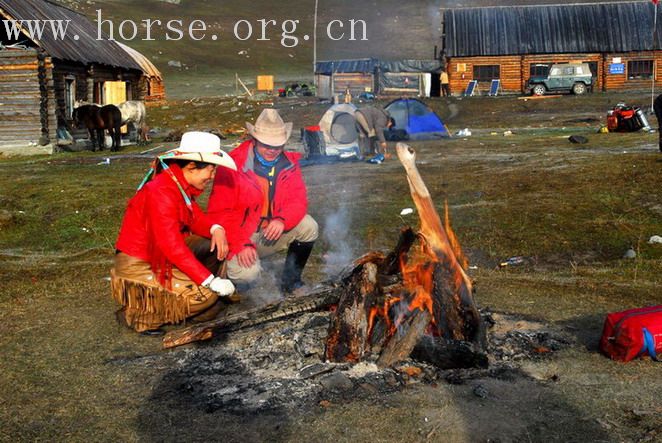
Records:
x=69, y=373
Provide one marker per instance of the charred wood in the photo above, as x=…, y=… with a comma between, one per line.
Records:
x=348, y=339
x=289, y=307
x=405, y=338
x=449, y=354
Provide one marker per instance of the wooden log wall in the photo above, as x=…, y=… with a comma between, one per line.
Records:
x=156, y=91
x=21, y=116
x=356, y=82
x=620, y=81
x=461, y=71
x=515, y=70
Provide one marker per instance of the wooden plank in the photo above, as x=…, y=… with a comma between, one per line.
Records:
x=538, y=97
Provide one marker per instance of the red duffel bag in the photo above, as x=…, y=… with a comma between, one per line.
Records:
x=630, y=334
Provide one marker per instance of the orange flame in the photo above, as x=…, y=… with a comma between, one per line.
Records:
x=418, y=277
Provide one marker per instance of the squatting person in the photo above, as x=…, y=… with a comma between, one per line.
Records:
x=157, y=278
x=263, y=205
x=370, y=124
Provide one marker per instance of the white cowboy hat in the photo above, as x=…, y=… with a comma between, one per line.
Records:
x=270, y=128
x=201, y=147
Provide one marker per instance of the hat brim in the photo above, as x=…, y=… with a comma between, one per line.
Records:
x=277, y=139
x=218, y=159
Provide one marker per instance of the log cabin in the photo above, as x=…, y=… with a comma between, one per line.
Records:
x=513, y=43
x=42, y=78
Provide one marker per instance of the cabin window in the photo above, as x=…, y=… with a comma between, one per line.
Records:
x=538, y=70
x=69, y=96
x=640, y=69
x=486, y=73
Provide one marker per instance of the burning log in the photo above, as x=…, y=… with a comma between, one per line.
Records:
x=431, y=311
x=404, y=340
x=348, y=333
x=458, y=317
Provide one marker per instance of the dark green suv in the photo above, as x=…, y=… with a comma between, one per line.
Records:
x=567, y=77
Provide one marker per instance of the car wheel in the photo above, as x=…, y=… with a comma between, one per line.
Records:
x=579, y=88
x=538, y=90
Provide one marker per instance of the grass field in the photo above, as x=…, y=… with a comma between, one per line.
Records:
x=570, y=210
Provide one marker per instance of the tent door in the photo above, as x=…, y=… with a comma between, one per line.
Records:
x=435, y=86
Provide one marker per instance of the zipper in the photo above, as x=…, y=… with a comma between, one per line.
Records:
x=619, y=323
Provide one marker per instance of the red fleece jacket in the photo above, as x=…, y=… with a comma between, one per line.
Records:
x=156, y=223
x=236, y=199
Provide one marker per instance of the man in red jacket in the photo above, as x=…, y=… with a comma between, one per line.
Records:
x=157, y=277
x=263, y=205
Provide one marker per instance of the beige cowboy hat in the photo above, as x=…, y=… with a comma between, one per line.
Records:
x=200, y=147
x=270, y=128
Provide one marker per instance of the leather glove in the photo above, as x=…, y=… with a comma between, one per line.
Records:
x=221, y=286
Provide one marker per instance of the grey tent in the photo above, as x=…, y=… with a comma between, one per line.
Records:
x=339, y=129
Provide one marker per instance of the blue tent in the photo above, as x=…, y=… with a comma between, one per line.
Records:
x=419, y=121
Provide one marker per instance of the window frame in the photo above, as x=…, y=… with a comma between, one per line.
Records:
x=476, y=69
x=639, y=74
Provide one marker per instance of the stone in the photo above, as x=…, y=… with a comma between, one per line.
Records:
x=337, y=381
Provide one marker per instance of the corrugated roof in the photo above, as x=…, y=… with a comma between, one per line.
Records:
x=368, y=65
x=147, y=66
x=87, y=49
x=550, y=29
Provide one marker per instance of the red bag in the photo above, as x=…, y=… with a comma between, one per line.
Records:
x=629, y=334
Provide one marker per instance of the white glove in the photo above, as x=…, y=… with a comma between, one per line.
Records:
x=221, y=286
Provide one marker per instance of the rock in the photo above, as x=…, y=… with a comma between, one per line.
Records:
x=655, y=239
x=315, y=369
x=630, y=253
x=175, y=63
x=337, y=382
x=578, y=139
x=480, y=391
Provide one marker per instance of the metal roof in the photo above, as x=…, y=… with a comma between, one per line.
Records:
x=87, y=49
x=145, y=65
x=551, y=29
x=365, y=65
x=369, y=65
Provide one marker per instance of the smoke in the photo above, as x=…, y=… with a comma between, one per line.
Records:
x=337, y=234
x=266, y=289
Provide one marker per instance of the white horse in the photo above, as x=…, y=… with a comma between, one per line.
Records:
x=133, y=111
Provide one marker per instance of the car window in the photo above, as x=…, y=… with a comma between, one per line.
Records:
x=580, y=70
x=555, y=71
x=568, y=71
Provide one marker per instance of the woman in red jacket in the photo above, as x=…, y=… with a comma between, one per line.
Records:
x=157, y=278
x=263, y=205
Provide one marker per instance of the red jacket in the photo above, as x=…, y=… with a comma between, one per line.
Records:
x=156, y=223
x=236, y=199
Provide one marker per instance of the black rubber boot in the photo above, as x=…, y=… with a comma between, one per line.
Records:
x=297, y=256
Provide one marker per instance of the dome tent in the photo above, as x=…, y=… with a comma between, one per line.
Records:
x=417, y=119
x=338, y=126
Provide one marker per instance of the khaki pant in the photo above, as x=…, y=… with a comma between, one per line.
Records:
x=367, y=136
x=147, y=304
x=306, y=231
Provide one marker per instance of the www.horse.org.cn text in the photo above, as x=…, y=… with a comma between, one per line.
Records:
x=195, y=30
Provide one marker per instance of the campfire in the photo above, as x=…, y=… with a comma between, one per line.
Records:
x=415, y=301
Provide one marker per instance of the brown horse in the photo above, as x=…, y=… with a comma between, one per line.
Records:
x=97, y=119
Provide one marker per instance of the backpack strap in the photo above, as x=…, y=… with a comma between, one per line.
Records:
x=649, y=345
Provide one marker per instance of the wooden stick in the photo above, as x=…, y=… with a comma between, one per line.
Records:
x=315, y=301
